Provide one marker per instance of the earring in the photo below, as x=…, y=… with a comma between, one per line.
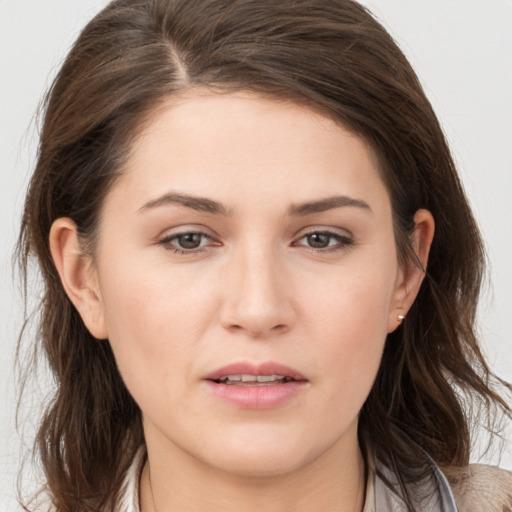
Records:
x=401, y=318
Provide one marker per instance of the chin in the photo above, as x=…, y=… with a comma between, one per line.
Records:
x=266, y=465
x=262, y=456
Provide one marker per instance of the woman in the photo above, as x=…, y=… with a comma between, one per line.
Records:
x=258, y=291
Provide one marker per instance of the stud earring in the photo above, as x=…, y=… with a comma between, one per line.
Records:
x=401, y=318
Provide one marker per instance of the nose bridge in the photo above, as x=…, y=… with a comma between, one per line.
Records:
x=257, y=300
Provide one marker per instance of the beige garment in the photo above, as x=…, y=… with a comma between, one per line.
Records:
x=480, y=488
x=476, y=488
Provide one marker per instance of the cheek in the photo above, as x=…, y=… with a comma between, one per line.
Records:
x=155, y=319
x=348, y=319
x=354, y=302
x=141, y=296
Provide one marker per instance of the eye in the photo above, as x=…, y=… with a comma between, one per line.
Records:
x=324, y=241
x=189, y=242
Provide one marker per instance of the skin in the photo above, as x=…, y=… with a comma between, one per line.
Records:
x=257, y=288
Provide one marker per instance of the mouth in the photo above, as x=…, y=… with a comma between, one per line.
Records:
x=260, y=374
x=253, y=380
x=256, y=386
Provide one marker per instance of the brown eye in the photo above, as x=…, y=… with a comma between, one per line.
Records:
x=319, y=240
x=324, y=241
x=189, y=240
x=187, y=243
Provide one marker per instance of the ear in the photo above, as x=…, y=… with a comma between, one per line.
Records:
x=411, y=277
x=78, y=275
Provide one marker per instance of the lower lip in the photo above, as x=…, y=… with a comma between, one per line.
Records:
x=257, y=397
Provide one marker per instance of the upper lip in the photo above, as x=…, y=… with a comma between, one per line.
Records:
x=247, y=368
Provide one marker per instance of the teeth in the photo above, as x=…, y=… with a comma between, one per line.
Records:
x=269, y=378
x=253, y=378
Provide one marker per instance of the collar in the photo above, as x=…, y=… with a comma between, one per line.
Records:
x=432, y=494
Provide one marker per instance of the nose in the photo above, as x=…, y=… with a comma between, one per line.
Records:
x=257, y=296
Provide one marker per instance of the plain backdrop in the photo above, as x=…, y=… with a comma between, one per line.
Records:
x=462, y=51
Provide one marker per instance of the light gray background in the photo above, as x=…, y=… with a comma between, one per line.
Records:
x=462, y=51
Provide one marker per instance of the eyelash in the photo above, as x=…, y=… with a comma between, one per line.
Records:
x=343, y=242
x=166, y=243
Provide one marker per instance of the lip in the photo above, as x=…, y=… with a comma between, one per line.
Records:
x=256, y=396
x=246, y=368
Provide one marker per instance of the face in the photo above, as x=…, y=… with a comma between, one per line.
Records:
x=247, y=238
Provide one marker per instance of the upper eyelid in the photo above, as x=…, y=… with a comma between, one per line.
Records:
x=169, y=243
x=185, y=230
x=336, y=231
x=333, y=234
x=336, y=236
x=343, y=239
x=172, y=237
x=183, y=233
x=168, y=240
x=179, y=235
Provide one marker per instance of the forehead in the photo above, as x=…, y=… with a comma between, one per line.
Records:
x=221, y=145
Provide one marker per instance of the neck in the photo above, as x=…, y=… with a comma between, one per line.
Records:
x=333, y=482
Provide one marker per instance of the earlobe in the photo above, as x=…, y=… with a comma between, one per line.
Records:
x=78, y=275
x=412, y=276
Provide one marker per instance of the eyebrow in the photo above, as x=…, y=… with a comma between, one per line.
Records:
x=204, y=204
x=329, y=203
x=201, y=204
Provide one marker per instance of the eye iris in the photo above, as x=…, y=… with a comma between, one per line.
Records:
x=190, y=240
x=318, y=240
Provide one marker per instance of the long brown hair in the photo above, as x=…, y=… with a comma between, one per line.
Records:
x=330, y=55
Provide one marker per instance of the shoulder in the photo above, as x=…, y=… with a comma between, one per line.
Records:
x=480, y=487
